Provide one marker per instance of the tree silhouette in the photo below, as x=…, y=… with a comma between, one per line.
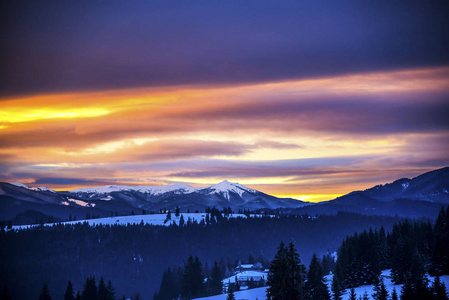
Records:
x=287, y=275
x=69, y=293
x=45, y=294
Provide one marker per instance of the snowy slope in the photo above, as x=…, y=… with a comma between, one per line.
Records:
x=156, y=219
x=258, y=293
x=388, y=284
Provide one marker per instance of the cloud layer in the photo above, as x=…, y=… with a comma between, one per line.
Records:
x=298, y=138
x=67, y=46
x=309, y=100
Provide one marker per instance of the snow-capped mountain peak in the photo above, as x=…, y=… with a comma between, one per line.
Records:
x=226, y=187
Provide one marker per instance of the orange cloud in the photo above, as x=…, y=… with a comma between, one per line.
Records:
x=376, y=114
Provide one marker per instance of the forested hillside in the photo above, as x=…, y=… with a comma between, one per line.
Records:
x=410, y=250
x=135, y=257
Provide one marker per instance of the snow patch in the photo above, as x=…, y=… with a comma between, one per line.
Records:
x=81, y=202
x=38, y=189
x=19, y=184
x=405, y=186
x=41, y=189
x=252, y=294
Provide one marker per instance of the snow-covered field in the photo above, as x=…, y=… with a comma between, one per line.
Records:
x=156, y=219
x=260, y=293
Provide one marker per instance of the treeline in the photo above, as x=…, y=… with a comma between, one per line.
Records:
x=90, y=291
x=410, y=250
x=134, y=257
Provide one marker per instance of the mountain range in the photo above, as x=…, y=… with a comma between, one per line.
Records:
x=421, y=196
x=22, y=202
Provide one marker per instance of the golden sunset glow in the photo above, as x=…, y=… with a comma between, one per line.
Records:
x=274, y=136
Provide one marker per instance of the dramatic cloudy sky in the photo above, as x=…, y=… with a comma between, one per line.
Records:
x=307, y=99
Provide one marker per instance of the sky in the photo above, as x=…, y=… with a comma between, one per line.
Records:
x=301, y=99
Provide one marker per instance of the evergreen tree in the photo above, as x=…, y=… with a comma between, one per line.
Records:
x=337, y=289
x=394, y=295
x=352, y=295
x=168, y=217
x=103, y=292
x=78, y=296
x=69, y=293
x=111, y=292
x=193, y=279
x=440, y=255
x=215, y=284
x=181, y=221
x=177, y=211
x=315, y=284
x=45, y=294
x=170, y=287
x=439, y=289
x=380, y=291
x=90, y=289
x=231, y=295
x=286, y=279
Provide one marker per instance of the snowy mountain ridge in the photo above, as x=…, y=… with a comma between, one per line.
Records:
x=38, y=189
x=224, y=187
x=151, y=189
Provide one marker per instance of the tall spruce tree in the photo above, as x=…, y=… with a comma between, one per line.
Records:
x=286, y=279
x=103, y=293
x=440, y=255
x=193, y=279
x=90, y=289
x=111, y=291
x=315, y=284
x=215, y=284
x=69, y=293
x=337, y=289
x=45, y=294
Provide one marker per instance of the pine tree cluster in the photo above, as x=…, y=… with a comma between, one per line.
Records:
x=189, y=282
x=90, y=291
x=410, y=250
x=288, y=280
